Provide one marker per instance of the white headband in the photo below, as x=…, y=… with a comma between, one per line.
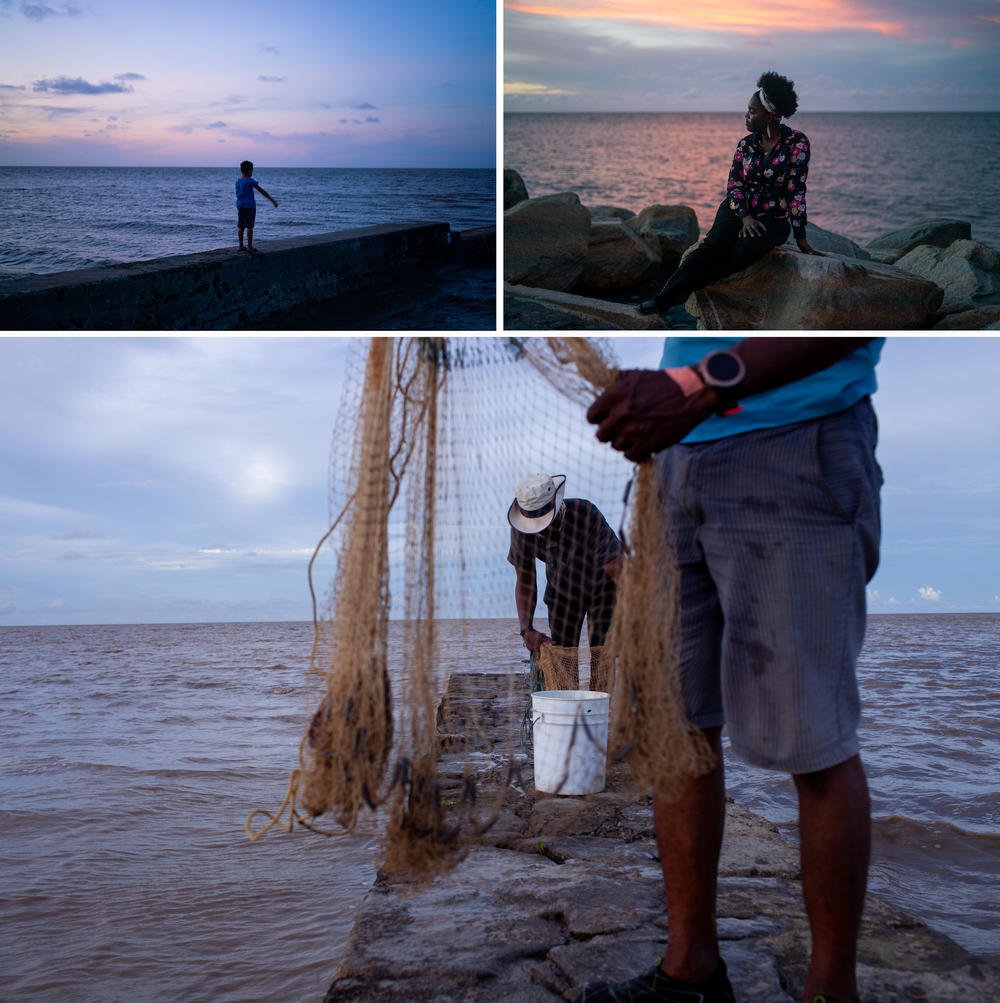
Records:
x=765, y=102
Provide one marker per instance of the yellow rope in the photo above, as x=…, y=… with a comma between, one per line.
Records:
x=306, y=821
x=293, y=785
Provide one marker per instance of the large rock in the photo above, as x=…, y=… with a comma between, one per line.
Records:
x=610, y=212
x=790, y=291
x=829, y=242
x=562, y=311
x=514, y=190
x=618, y=259
x=546, y=241
x=890, y=247
x=968, y=272
x=983, y=318
x=668, y=229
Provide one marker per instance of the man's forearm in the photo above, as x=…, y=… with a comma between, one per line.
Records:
x=773, y=362
x=649, y=410
x=525, y=598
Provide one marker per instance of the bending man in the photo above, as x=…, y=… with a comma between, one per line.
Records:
x=582, y=557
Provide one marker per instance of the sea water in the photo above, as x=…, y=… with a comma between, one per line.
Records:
x=54, y=219
x=869, y=172
x=132, y=755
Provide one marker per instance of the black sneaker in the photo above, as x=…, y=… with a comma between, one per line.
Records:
x=650, y=306
x=655, y=987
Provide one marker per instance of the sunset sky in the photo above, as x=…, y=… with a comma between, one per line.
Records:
x=186, y=479
x=672, y=55
x=301, y=83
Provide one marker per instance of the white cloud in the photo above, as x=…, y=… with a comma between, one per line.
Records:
x=261, y=476
x=20, y=508
x=518, y=88
x=929, y=593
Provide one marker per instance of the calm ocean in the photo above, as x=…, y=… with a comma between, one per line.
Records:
x=132, y=755
x=57, y=218
x=868, y=173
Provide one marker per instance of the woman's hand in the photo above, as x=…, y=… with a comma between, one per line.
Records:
x=752, y=227
x=803, y=245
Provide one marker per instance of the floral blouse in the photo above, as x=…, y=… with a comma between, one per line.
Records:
x=772, y=185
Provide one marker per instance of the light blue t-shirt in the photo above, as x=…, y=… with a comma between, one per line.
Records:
x=830, y=390
x=244, y=193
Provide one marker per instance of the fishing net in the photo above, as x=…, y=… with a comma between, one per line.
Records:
x=432, y=436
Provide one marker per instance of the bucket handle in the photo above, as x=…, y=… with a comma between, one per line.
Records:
x=579, y=720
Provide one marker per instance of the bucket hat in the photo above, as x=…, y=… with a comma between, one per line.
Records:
x=537, y=500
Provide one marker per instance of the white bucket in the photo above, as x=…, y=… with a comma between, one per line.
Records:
x=569, y=731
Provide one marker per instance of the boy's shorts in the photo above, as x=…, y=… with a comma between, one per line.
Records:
x=246, y=218
x=777, y=533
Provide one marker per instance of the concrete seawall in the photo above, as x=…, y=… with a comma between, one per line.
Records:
x=225, y=289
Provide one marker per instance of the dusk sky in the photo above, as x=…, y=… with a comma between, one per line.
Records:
x=671, y=55
x=185, y=479
x=301, y=83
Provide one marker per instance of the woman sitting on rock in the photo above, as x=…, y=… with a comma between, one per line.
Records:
x=766, y=190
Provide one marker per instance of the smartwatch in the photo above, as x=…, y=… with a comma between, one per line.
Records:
x=724, y=372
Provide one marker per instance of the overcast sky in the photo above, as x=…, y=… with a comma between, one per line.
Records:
x=185, y=479
x=673, y=55
x=301, y=83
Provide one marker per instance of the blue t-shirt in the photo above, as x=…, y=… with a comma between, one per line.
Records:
x=830, y=390
x=244, y=193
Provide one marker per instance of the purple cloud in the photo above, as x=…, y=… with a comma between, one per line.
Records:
x=39, y=12
x=77, y=85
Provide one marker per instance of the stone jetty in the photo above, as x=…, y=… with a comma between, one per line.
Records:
x=566, y=265
x=563, y=891
x=226, y=289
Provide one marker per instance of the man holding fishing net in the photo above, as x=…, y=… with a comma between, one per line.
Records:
x=582, y=557
x=765, y=451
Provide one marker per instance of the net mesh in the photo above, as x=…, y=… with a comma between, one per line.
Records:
x=432, y=437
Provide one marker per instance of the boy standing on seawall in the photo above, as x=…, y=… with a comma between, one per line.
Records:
x=246, y=204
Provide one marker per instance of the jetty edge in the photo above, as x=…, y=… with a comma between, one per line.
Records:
x=228, y=289
x=564, y=891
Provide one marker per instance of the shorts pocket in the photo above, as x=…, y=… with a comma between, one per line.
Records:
x=845, y=459
x=851, y=476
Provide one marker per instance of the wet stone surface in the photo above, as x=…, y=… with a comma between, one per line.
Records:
x=563, y=891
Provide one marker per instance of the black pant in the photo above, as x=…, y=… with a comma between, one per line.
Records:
x=723, y=252
x=566, y=616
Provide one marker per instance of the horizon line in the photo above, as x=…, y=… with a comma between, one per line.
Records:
x=712, y=111
x=439, y=619
x=283, y=167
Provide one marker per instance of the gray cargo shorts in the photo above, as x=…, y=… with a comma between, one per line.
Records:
x=776, y=534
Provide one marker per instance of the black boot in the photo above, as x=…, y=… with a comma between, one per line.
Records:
x=663, y=300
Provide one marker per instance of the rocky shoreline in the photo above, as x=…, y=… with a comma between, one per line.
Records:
x=563, y=891
x=568, y=265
